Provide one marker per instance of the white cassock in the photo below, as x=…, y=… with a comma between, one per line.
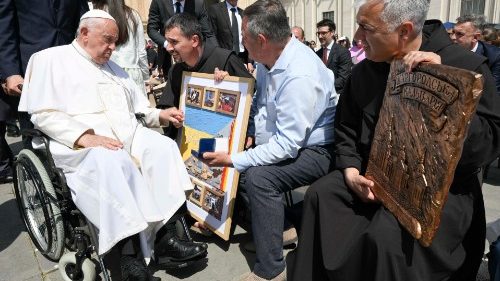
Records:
x=66, y=95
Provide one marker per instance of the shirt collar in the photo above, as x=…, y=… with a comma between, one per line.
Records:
x=229, y=6
x=475, y=47
x=287, y=54
x=182, y=2
x=329, y=47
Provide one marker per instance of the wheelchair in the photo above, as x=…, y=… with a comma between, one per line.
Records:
x=53, y=221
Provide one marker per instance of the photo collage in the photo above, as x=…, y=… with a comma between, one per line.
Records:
x=218, y=100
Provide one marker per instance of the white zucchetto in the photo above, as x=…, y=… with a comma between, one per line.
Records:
x=97, y=14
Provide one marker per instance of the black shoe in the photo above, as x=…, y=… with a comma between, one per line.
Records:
x=174, y=249
x=13, y=131
x=134, y=269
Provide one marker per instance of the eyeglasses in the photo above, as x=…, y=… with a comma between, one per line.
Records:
x=322, y=33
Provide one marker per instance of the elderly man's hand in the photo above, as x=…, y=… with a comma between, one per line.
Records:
x=217, y=159
x=219, y=75
x=89, y=139
x=360, y=185
x=413, y=58
x=172, y=115
x=13, y=85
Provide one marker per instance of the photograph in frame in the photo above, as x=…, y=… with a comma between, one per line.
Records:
x=194, y=95
x=210, y=98
x=198, y=192
x=213, y=200
x=228, y=102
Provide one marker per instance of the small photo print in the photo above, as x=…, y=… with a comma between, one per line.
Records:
x=197, y=194
x=209, y=98
x=194, y=95
x=228, y=102
x=213, y=202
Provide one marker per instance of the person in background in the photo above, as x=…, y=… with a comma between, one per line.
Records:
x=314, y=46
x=130, y=53
x=357, y=51
x=467, y=33
x=344, y=42
x=227, y=32
x=26, y=27
x=449, y=27
x=336, y=58
x=152, y=56
x=298, y=32
x=490, y=36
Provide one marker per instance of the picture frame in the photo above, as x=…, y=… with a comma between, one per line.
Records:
x=194, y=95
x=213, y=201
x=228, y=102
x=210, y=98
x=198, y=194
x=218, y=185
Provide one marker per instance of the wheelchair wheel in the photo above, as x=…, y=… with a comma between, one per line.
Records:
x=67, y=265
x=38, y=205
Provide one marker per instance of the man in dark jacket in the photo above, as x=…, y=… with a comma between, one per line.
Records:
x=336, y=58
x=26, y=27
x=191, y=53
x=467, y=32
x=346, y=234
x=227, y=32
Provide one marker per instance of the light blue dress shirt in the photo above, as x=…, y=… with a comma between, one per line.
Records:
x=294, y=107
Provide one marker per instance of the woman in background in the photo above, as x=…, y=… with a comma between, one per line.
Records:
x=357, y=51
x=130, y=53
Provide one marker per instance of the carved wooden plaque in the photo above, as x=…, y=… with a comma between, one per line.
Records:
x=418, y=141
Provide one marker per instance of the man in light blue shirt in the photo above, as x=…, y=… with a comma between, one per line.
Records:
x=293, y=127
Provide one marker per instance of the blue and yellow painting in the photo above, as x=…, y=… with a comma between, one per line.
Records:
x=204, y=123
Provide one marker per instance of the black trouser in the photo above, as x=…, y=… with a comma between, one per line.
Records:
x=5, y=152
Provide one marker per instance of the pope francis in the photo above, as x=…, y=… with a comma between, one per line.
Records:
x=125, y=178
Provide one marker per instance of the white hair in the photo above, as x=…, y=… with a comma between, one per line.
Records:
x=396, y=12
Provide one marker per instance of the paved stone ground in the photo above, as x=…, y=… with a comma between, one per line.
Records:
x=19, y=260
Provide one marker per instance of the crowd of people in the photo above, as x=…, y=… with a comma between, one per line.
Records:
x=312, y=122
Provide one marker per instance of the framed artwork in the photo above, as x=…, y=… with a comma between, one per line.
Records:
x=194, y=95
x=227, y=102
x=210, y=98
x=221, y=113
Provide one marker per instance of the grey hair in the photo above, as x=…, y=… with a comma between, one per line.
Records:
x=396, y=12
x=268, y=17
x=89, y=23
x=478, y=21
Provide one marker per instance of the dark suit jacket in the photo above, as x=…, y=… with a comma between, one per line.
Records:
x=28, y=26
x=221, y=25
x=493, y=54
x=339, y=61
x=161, y=10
